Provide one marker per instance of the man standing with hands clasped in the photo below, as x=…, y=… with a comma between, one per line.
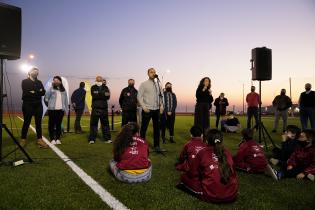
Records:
x=151, y=102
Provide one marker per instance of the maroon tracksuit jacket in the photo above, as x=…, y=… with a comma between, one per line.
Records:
x=212, y=188
x=250, y=157
x=189, y=164
x=303, y=158
x=135, y=156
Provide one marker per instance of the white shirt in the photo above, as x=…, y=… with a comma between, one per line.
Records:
x=58, y=105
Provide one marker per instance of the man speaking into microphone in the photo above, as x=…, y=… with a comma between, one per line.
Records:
x=151, y=102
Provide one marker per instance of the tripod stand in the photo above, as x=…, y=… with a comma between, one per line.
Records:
x=3, y=125
x=262, y=131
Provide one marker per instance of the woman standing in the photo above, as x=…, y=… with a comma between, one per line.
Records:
x=203, y=105
x=57, y=101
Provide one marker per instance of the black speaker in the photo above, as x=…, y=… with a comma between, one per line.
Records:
x=10, y=32
x=261, y=64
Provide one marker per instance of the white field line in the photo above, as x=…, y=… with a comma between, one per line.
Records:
x=110, y=200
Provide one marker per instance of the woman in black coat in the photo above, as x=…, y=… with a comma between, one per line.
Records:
x=204, y=99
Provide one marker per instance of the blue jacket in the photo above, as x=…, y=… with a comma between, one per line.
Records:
x=50, y=99
x=78, y=98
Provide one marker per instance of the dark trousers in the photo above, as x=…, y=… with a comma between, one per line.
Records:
x=102, y=115
x=30, y=110
x=78, y=115
x=252, y=111
x=218, y=115
x=307, y=113
x=202, y=117
x=128, y=116
x=167, y=121
x=293, y=172
x=54, y=123
x=146, y=117
x=282, y=155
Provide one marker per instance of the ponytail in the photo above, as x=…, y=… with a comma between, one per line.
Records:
x=215, y=138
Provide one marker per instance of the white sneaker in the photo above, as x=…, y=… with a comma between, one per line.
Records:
x=274, y=161
x=271, y=172
x=58, y=141
x=53, y=142
x=311, y=177
x=91, y=142
x=109, y=141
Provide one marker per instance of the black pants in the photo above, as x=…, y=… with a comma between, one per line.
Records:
x=146, y=117
x=54, y=123
x=128, y=116
x=30, y=110
x=293, y=172
x=167, y=121
x=202, y=118
x=252, y=111
x=218, y=115
x=78, y=115
x=102, y=115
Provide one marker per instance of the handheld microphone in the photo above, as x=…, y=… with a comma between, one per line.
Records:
x=156, y=76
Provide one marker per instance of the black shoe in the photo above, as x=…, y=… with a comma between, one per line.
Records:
x=159, y=150
x=172, y=140
x=163, y=140
x=274, y=131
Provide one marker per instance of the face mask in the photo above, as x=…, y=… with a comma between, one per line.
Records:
x=303, y=143
x=168, y=89
x=99, y=83
x=307, y=89
x=131, y=85
x=282, y=93
x=253, y=90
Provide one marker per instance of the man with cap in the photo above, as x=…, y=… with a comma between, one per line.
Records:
x=33, y=90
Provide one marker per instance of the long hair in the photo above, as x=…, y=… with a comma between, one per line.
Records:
x=61, y=87
x=215, y=138
x=200, y=86
x=310, y=135
x=124, y=139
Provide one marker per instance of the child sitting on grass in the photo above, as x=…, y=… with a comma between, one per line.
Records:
x=131, y=152
x=301, y=163
x=217, y=178
x=188, y=162
x=250, y=156
x=288, y=145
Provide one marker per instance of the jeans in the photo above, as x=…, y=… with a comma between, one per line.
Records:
x=252, y=111
x=307, y=113
x=54, y=123
x=146, y=117
x=78, y=115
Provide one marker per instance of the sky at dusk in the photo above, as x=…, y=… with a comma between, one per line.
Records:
x=183, y=40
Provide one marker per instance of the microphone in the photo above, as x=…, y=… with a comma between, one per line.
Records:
x=156, y=76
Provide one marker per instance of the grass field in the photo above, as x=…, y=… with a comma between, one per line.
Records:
x=50, y=184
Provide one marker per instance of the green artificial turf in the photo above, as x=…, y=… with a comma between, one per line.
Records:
x=50, y=184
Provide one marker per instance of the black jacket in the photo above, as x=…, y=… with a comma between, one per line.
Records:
x=99, y=100
x=32, y=91
x=307, y=100
x=282, y=102
x=220, y=105
x=128, y=99
x=203, y=96
x=78, y=97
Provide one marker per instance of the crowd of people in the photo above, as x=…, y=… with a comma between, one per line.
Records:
x=208, y=169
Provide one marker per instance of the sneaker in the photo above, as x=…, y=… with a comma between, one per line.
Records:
x=23, y=142
x=53, y=142
x=274, y=161
x=271, y=172
x=42, y=144
x=172, y=140
x=109, y=141
x=58, y=141
x=91, y=142
x=311, y=177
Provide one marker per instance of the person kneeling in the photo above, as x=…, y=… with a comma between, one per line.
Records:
x=217, y=178
x=231, y=124
x=131, y=152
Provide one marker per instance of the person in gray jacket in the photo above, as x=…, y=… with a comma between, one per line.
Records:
x=56, y=100
x=281, y=104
